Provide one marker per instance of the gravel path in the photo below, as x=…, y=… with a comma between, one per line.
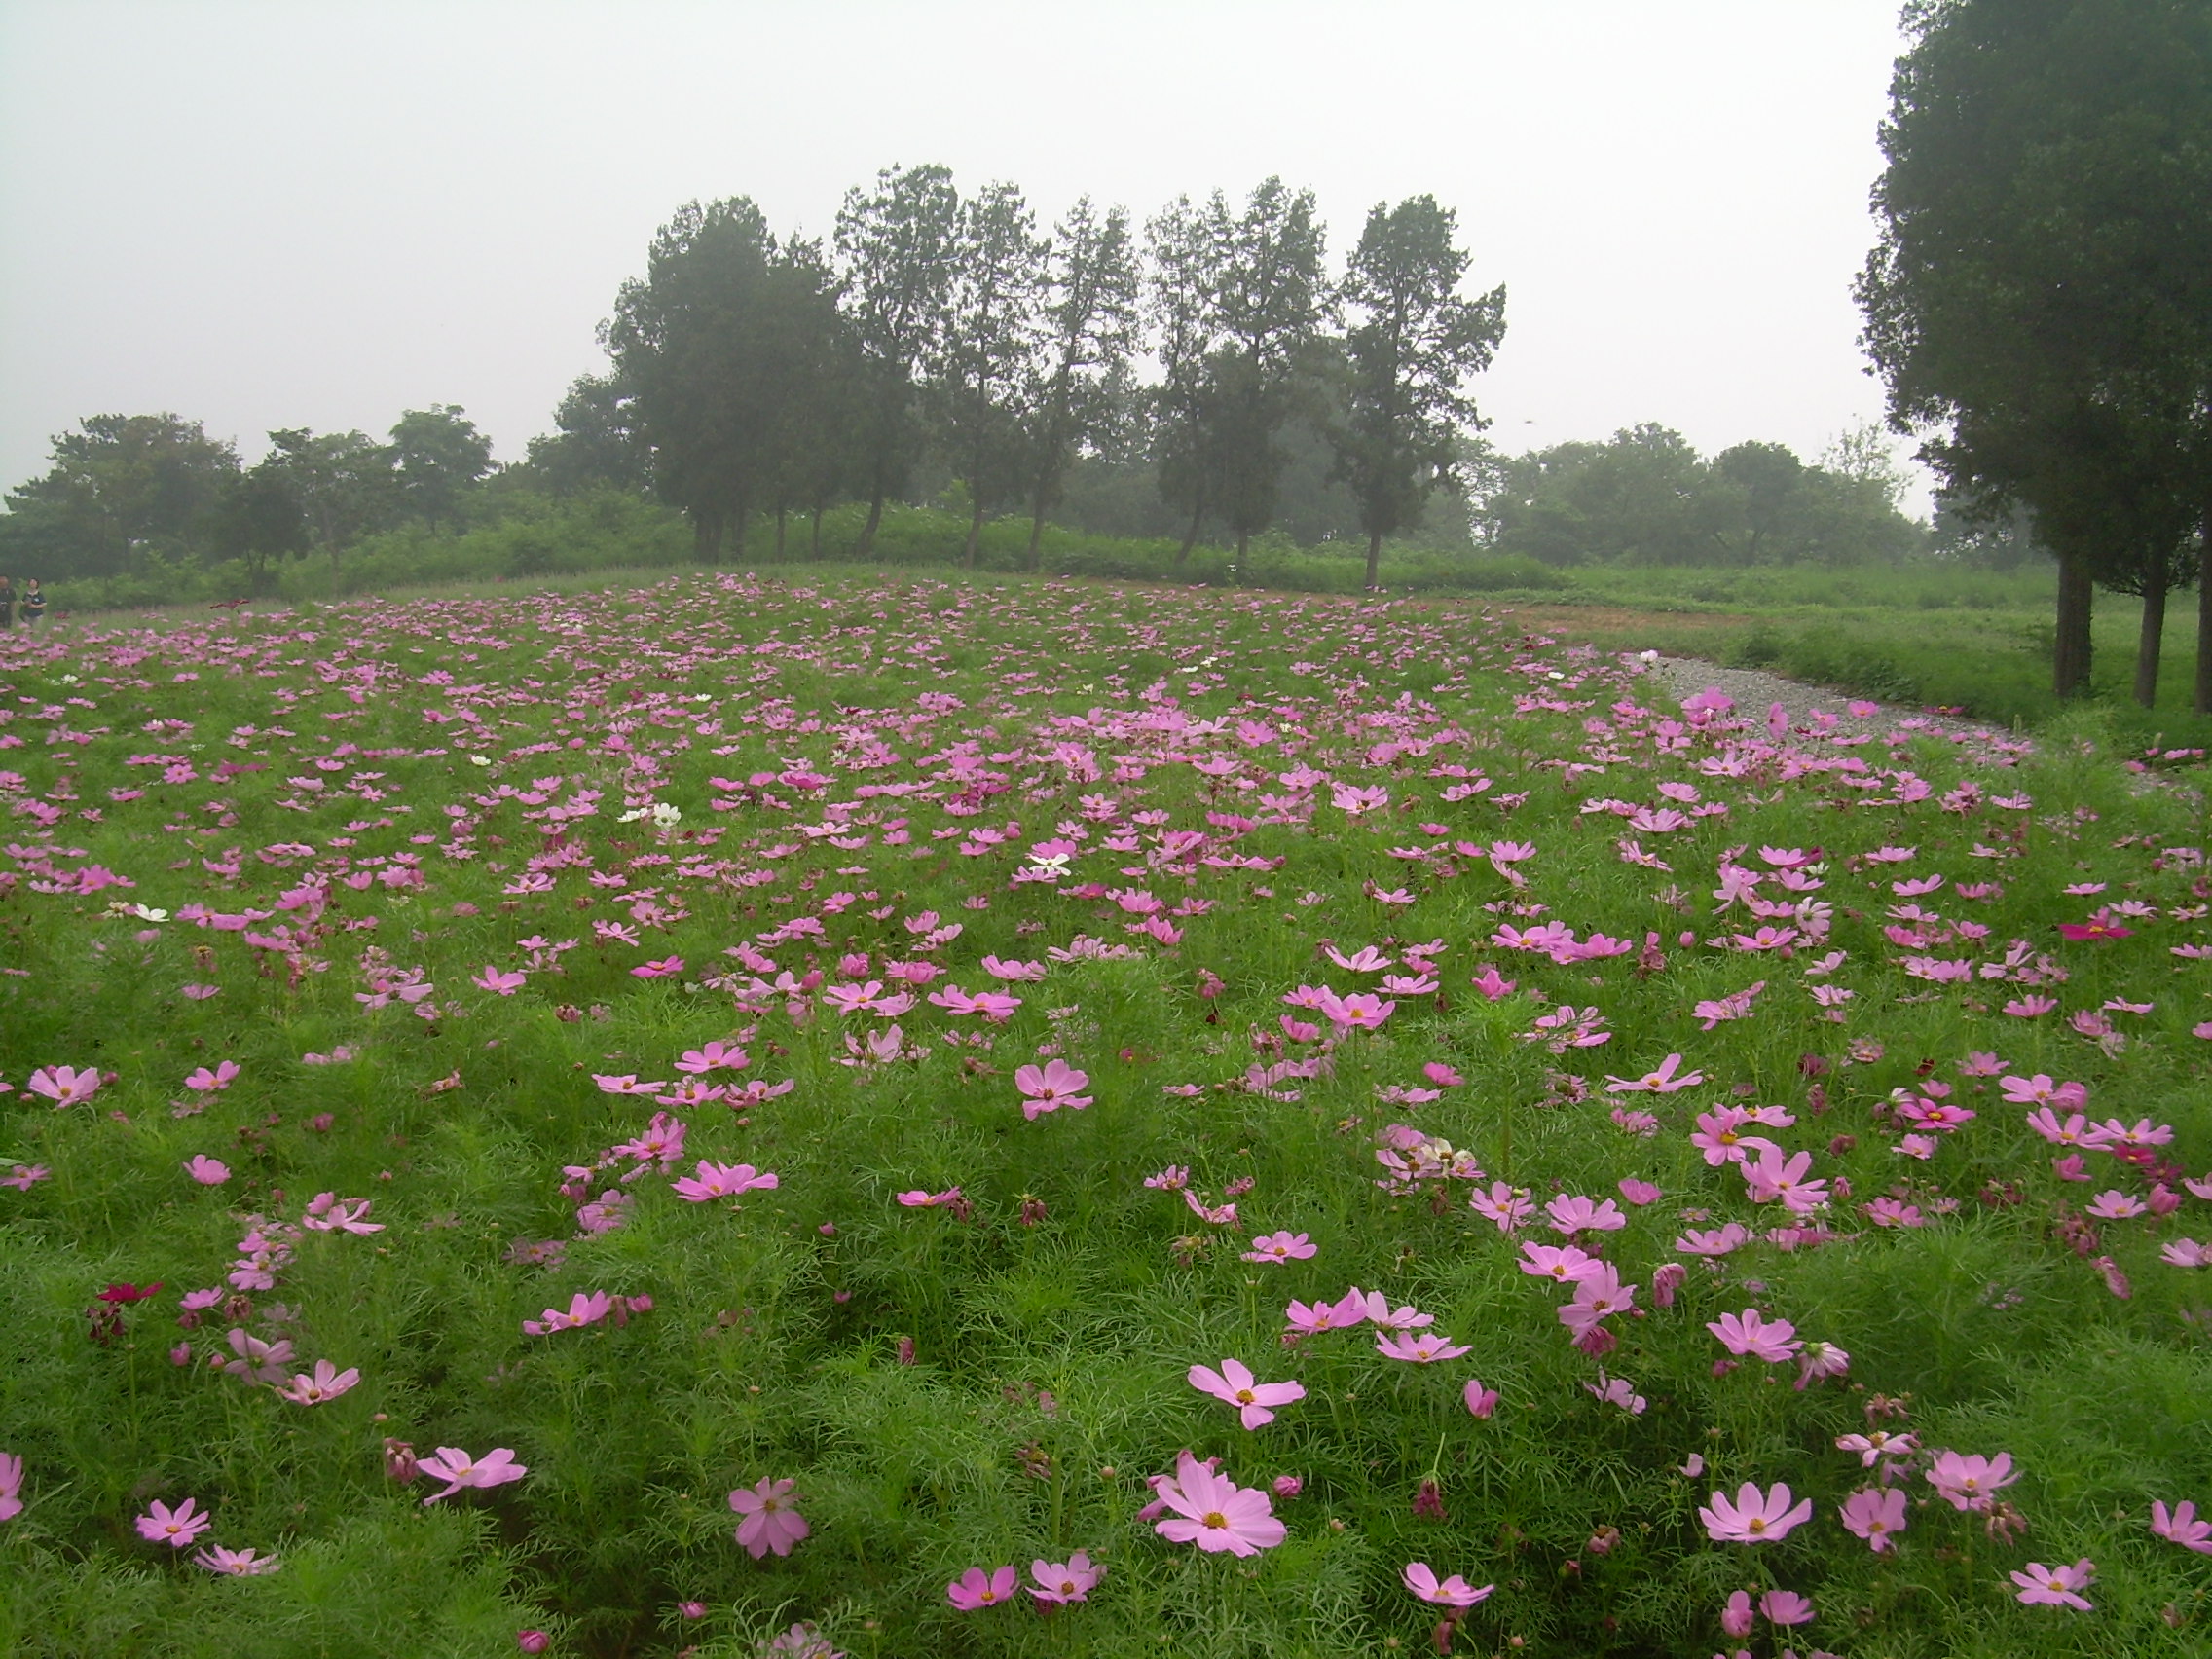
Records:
x=1755, y=692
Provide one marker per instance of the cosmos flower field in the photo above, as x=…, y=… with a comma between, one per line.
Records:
x=895, y=1118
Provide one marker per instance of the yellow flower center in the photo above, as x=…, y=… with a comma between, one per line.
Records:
x=1215, y=1518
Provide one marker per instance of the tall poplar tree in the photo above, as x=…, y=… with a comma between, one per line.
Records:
x=998, y=271
x=1088, y=331
x=1415, y=343
x=895, y=252
x=2043, y=289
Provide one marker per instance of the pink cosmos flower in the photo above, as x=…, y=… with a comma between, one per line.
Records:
x=1379, y=1311
x=1348, y=1311
x=1214, y=1513
x=1786, y=1607
x=206, y=1081
x=12, y=1485
x=721, y=1181
x=1616, y=1391
x=258, y=1361
x=918, y=1199
x=1737, y=1617
x=1573, y=1212
x=1747, y=1334
x=1048, y=1088
x=208, y=1171
x=2179, y=1526
x=326, y=1382
x=1970, y=1482
x=1420, y=1348
x=505, y=983
x=1562, y=1264
x=238, y=1564
x=458, y=1470
x=583, y=1310
x=1640, y=1193
x=65, y=1085
x=1062, y=1582
x=714, y=1056
x=771, y=1522
x=666, y=968
x=1755, y=1517
x=2185, y=1253
x=1664, y=1081
x=2057, y=1586
x=1507, y=1206
x=1453, y=1592
x=1235, y=1383
x=1876, y=1514
x=1280, y=1247
x=175, y=1528
x=1481, y=1402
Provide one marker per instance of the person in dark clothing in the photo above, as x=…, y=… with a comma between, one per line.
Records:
x=34, y=603
x=7, y=603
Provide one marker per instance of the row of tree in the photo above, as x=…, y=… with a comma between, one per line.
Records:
x=2040, y=300
x=123, y=485
x=755, y=374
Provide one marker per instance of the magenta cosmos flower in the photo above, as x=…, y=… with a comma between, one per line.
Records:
x=1970, y=1482
x=1877, y=1514
x=1049, y=1087
x=2180, y=1526
x=770, y=1521
x=1420, y=1348
x=1755, y=1517
x=236, y=1563
x=976, y=1588
x=1280, y=1247
x=1064, y=1581
x=175, y=1528
x=2056, y=1586
x=1235, y=1383
x=325, y=1382
x=12, y=1485
x=1453, y=1592
x=1215, y=1513
x=458, y=1470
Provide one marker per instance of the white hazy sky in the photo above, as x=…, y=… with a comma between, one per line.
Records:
x=319, y=213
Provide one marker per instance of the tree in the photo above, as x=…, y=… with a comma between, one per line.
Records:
x=1189, y=246
x=119, y=484
x=343, y=483
x=1770, y=483
x=440, y=456
x=1274, y=298
x=2041, y=288
x=698, y=345
x=894, y=248
x=595, y=444
x=1417, y=341
x=985, y=344
x=260, y=518
x=817, y=406
x=1089, y=331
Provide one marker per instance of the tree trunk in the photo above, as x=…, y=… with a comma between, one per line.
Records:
x=867, y=530
x=706, y=536
x=1035, y=558
x=1374, y=556
x=2203, y=700
x=2070, y=657
x=2153, y=632
x=1191, y=535
x=975, y=526
x=744, y=519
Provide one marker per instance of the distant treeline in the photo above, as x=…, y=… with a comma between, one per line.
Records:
x=1205, y=380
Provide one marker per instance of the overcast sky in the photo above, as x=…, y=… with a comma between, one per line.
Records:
x=320, y=214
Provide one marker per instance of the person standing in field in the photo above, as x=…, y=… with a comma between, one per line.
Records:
x=7, y=603
x=34, y=603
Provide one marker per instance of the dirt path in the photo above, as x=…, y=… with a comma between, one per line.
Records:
x=1755, y=692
